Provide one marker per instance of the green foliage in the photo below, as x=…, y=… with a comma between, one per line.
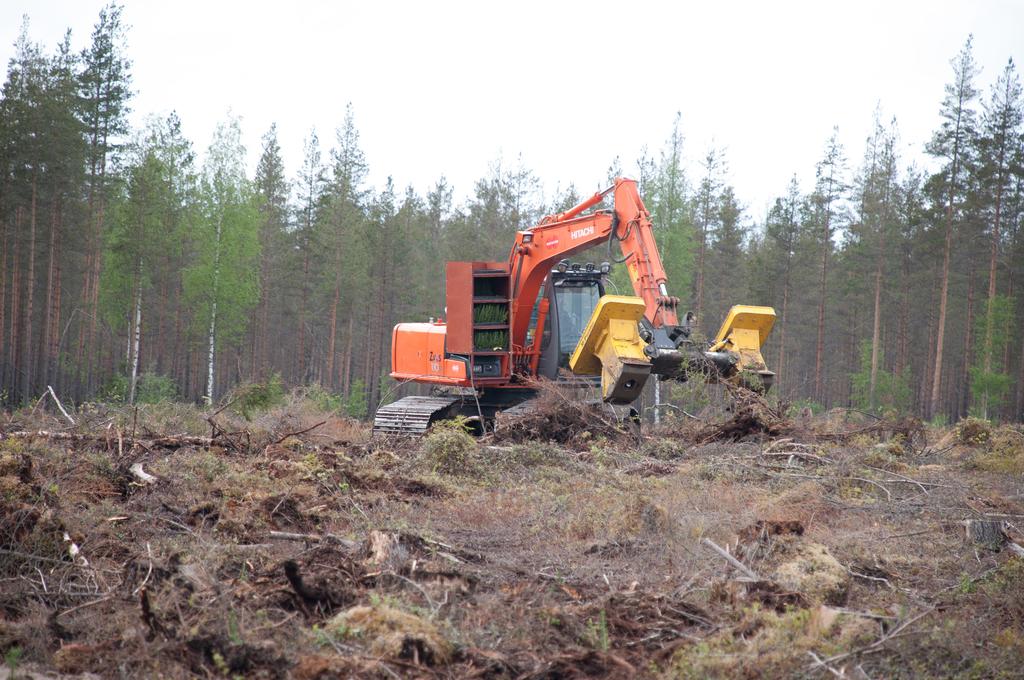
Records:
x=973, y=431
x=892, y=392
x=994, y=329
x=490, y=340
x=1002, y=449
x=663, y=186
x=449, y=447
x=254, y=397
x=12, y=658
x=324, y=399
x=597, y=633
x=489, y=313
x=221, y=285
x=357, y=405
x=152, y=388
x=800, y=405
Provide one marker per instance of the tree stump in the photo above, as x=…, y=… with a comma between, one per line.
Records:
x=385, y=551
x=986, y=533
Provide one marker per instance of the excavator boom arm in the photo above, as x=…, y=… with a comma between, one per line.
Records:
x=557, y=237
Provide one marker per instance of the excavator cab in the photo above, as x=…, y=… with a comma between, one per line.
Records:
x=573, y=291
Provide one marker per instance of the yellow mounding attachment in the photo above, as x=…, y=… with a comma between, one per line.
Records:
x=611, y=346
x=744, y=332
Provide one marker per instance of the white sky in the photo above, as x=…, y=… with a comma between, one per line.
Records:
x=447, y=87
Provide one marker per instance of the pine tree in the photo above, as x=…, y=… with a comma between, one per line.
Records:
x=950, y=143
x=829, y=187
x=782, y=229
x=1000, y=136
x=144, y=242
x=272, y=192
x=104, y=87
x=706, y=204
x=342, y=220
x=664, y=188
x=310, y=186
x=24, y=94
x=726, y=261
x=876, y=191
x=65, y=164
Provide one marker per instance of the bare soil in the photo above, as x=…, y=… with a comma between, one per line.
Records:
x=297, y=546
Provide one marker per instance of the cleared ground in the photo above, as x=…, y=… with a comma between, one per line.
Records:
x=293, y=545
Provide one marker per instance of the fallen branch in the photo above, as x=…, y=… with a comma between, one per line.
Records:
x=294, y=434
x=53, y=394
x=314, y=538
x=168, y=442
x=141, y=474
x=730, y=559
x=876, y=645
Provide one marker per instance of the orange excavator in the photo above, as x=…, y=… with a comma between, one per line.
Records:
x=538, y=316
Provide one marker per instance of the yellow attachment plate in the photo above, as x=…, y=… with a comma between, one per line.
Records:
x=748, y=325
x=618, y=316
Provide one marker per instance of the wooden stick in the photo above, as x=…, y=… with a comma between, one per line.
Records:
x=730, y=559
x=174, y=441
x=142, y=475
x=313, y=538
x=59, y=405
x=292, y=434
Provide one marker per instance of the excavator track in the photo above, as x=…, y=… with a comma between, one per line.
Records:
x=411, y=416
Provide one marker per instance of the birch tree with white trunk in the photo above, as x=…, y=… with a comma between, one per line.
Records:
x=222, y=284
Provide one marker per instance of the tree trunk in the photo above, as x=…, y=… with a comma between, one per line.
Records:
x=701, y=248
x=3, y=299
x=303, y=307
x=993, y=256
x=346, y=380
x=820, y=345
x=212, y=334
x=28, y=372
x=1020, y=384
x=963, y=395
x=940, y=334
x=902, y=343
x=56, y=332
x=46, y=356
x=877, y=322
x=780, y=364
x=332, y=324
x=136, y=333
x=15, y=306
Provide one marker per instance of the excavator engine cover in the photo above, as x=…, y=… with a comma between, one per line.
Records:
x=612, y=348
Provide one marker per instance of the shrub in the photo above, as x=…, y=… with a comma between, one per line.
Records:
x=892, y=391
x=1005, y=451
x=799, y=406
x=973, y=431
x=449, y=447
x=323, y=399
x=150, y=388
x=663, y=448
x=357, y=404
x=253, y=397
x=153, y=388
